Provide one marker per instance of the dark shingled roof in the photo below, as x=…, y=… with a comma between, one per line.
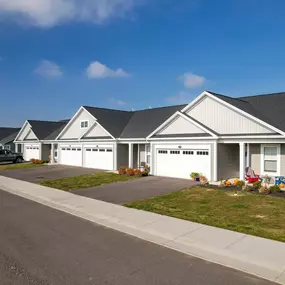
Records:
x=5, y=132
x=45, y=130
x=8, y=135
x=269, y=107
x=132, y=124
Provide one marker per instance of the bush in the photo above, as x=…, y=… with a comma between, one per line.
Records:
x=37, y=161
x=193, y=175
x=240, y=184
x=122, y=170
x=46, y=161
x=246, y=188
x=130, y=172
x=138, y=172
x=204, y=180
x=263, y=190
x=256, y=185
x=274, y=189
x=145, y=173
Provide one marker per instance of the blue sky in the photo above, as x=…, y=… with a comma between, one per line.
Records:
x=134, y=54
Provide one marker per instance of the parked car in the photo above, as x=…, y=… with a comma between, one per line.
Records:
x=10, y=156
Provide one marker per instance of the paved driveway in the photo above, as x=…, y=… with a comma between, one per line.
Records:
x=47, y=172
x=125, y=192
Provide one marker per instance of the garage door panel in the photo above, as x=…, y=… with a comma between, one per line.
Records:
x=71, y=156
x=31, y=152
x=181, y=162
x=99, y=158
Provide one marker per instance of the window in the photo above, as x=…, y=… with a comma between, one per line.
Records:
x=63, y=148
x=202, y=153
x=94, y=149
x=270, y=159
x=162, y=151
x=78, y=149
x=174, y=152
x=7, y=147
x=101, y=149
x=188, y=152
x=73, y=149
x=84, y=124
x=88, y=149
x=109, y=150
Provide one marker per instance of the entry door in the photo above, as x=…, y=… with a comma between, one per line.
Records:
x=180, y=163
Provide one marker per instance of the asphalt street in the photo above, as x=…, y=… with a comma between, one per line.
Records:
x=40, y=245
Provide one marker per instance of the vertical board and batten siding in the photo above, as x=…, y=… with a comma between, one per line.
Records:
x=24, y=132
x=97, y=131
x=224, y=120
x=74, y=131
x=142, y=153
x=30, y=135
x=180, y=126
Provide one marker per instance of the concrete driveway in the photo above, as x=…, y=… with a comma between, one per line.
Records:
x=47, y=172
x=139, y=189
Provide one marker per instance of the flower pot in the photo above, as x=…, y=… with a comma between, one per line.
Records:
x=197, y=179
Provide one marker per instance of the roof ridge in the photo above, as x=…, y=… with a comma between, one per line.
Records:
x=265, y=94
x=235, y=98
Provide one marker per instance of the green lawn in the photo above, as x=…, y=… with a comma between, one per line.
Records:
x=252, y=214
x=85, y=181
x=19, y=166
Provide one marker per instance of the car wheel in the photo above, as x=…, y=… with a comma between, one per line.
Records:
x=19, y=160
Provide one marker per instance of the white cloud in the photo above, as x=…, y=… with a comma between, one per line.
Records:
x=181, y=98
x=48, y=13
x=117, y=102
x=49, y=69
x=192, y=80
x=99, y=71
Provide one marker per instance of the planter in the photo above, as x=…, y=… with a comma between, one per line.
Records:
x=197, y=179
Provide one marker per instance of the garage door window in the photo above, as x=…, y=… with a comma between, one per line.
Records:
x=174, y=152
x=162, y=151
x=202, y=153
x=94, y=149
x=109, y=150
x=188, y=152
x=102, y=150
x=88, y=149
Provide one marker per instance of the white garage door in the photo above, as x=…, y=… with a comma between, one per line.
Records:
x=101, y=158
x=71, y=156
x=31, y=152
x=180, y=163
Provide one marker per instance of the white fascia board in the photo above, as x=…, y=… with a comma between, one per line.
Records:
x=185, y=138
x=131, y=139
x=253, y=137
x=70, y=122
x=99, y=124
x=252, y=141
x=21, y=130
x=163, y=124
x=205, y=93
x=197, y=125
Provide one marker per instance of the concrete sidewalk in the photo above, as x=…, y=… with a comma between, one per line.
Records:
x=262, y=257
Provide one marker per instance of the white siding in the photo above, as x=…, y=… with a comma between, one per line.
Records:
x=180, y=126
x=30, y=135
x=97, y=131
x=73, y=131
x=223, y=120
x=24, y=132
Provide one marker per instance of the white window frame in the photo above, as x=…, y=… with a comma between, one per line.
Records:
x=84, y=121
x=263, y=172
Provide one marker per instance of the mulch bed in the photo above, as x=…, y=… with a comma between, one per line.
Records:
x=237, y=189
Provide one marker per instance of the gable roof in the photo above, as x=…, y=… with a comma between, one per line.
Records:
x=268, y=108
x=46, y=130
x=8, y=134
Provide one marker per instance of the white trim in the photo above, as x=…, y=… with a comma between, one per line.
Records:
x=88, y=129
x=215, y=162
x=277, y=173
x=83, y=121
x=248, y=155
x=70, y=122
x=205, y=93
x=253, y=137
x=183, y=138
x=21, y=130
x=242, y=161
x=131, y=139
x=259, y=141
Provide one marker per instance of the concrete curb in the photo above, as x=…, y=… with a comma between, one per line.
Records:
x=258, y=256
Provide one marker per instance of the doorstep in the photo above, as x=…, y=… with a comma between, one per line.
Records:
x=258, y=256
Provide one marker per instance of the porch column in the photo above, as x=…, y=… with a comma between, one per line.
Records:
x=131, y=153
x=16, y=147
x=248, y=155
x=52, y=153
x=215, y=158
x=115, y=152
x=241, y=161
x=138, y=160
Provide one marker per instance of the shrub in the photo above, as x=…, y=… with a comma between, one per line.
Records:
x=274, y=189
x=37, y=161
x=130, y=172
x=138, y=172
x=204, y=180
x=263, y=190
x=193, y=175
x=256, y=185
x=45, y=161
x=145, y=173
x=246, y=188
x=240, y=184
x=122, y=170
